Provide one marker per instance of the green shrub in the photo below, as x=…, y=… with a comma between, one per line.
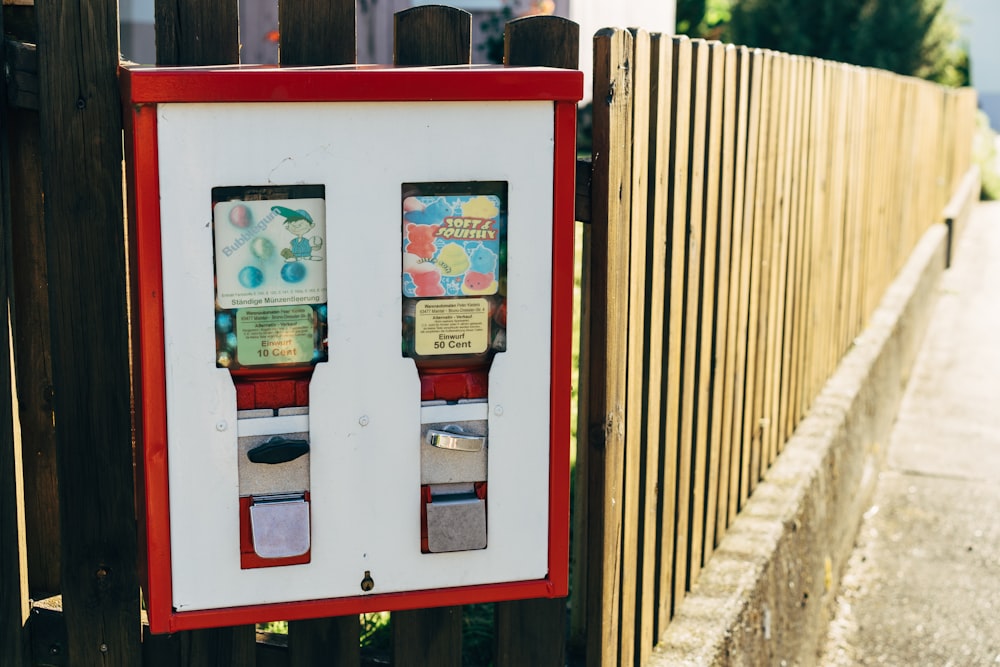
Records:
x=984, y=153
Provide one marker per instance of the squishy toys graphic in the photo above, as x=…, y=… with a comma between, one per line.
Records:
x=420, y=239
x=426, y=275
x=479, y=283
x=452, y=260
x=483, y=260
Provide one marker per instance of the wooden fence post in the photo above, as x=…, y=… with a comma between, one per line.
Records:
x=193, y=32
x=534, y=631
x=29, y=306
x=317, y=33
x=81, y=157
x=320, y=32
x=430, y=35
x=13, y=597
x=604, y=439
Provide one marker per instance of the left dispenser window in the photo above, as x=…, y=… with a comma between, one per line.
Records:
x=270, y=331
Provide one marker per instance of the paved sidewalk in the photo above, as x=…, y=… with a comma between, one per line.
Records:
x=923, y=584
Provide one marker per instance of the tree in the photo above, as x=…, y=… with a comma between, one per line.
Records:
x=913, y=37
x=702, y=18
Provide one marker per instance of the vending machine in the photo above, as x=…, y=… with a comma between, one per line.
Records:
x=351, y=321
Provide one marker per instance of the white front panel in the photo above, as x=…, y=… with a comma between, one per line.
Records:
x=365, y=479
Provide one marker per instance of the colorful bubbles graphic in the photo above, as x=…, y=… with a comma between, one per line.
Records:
x=293, y=272
x=251, y=277
x=239, y=216
x=262, y=248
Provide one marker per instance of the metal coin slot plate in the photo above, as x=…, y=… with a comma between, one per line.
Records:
x=453, y=442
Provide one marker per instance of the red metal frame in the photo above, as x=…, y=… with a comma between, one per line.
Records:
x=142, y=89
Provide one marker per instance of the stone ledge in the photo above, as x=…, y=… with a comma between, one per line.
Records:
x=766, y=595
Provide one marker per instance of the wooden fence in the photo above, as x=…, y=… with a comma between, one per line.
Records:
x=747, y=210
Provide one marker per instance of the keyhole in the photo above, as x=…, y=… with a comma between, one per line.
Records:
x=367, y=583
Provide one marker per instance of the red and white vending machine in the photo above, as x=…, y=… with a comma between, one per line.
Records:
x=352, y=311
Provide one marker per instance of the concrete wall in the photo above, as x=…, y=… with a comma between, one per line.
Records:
x=765, y=597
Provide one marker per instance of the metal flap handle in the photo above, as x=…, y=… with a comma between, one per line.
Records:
x=458, y=442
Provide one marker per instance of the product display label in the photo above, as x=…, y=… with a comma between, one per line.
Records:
x=452, y=326
x=451, y=244
x=283, y=334
x=270, y=252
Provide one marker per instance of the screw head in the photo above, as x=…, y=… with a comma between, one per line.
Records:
x=363, y=420
x=221, y=425
x=498, y=410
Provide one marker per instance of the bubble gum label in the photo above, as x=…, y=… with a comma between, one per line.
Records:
x=270, y=252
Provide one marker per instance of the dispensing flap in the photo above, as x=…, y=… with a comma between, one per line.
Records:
x=280, y=526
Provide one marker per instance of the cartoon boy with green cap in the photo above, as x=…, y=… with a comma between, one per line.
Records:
x=299, y=223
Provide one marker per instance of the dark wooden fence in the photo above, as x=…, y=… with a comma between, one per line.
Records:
x=747, y=211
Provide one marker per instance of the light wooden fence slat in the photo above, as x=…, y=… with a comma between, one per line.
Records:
x=754, y=377
x=632, y=534
x=774, y=265
x=736, y=338
x=609, y=308
x=743, y=402
x=692, y=273
x=780, y=269
x=819, y=264
x=658, y=473
x=81, y=144
x=704, y=482
x=721, y=436
x=671, y=577
x=798, y=321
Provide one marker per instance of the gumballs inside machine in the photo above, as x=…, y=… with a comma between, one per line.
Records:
x=270, y=332
x=454, y=286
